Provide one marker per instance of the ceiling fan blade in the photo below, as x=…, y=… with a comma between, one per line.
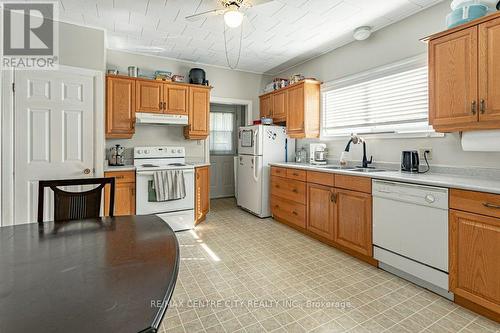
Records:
x=199, y=16
x=254, y=3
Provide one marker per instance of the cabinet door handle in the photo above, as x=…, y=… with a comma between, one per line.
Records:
x=482, y=106
x=160, y=105
x=164, y=105
x=333, y=197
x=489, y=205
x=473, y=107
x=295, y=213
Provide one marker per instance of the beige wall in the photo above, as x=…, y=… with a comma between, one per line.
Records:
x=81, y=47
x=393, y=43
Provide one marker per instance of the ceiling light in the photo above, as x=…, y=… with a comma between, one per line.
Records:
x=362, y=33
x=233, y=17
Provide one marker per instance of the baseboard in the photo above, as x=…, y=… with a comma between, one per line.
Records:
x=477, y=308
x=306, y=232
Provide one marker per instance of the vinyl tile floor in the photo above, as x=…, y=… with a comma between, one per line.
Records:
x=239, y=273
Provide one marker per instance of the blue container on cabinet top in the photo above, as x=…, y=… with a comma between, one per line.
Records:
x=465, y=14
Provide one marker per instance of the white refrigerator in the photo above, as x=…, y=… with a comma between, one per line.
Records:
x=258, y=146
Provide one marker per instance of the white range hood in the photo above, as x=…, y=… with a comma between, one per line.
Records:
x=161, y=118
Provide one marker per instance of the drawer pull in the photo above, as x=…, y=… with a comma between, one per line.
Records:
x=295, y=213
x=277, y=207
x=488, y=205
x=295, y=174
x=119, y=177
x=295, y=190
x=277, y=186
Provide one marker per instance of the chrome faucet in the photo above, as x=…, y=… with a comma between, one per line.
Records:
x=356, y=140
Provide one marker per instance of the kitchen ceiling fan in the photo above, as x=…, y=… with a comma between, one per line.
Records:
x=231, y=9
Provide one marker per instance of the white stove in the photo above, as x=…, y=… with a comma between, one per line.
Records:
x=179, y=214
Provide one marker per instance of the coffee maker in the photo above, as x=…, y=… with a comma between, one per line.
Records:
x=318, y=153
x=116, y=156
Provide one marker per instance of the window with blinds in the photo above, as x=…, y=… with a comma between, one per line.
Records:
x=384, y=101
x=222, y=132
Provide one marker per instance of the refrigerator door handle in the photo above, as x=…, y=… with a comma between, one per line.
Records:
x=255, y=170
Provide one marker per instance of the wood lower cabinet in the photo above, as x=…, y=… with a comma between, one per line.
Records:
x=474, y=249
x=124, y=193
x=320, y=210
x=317, y=204
x=353, y=221
x=120, y=108
x=176, y=99
x=464, y=76
x=202, y=193
x=199, y=113
x=149, y=96
x=475, y=259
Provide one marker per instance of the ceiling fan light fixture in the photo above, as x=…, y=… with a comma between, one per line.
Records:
x=233, y=17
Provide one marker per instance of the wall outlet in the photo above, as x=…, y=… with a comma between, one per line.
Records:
x=421, y=152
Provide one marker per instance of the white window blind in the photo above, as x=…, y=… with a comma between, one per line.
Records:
x=385, y=101
x=221, y=132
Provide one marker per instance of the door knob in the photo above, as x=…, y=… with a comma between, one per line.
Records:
x=86, y=171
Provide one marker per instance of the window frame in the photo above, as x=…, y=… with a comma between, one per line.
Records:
x=373, y=74
x=234, y=131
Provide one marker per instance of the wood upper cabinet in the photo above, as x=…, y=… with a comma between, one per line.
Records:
x=266, y=106
x=464, y=77
x=474, y=259
x=149, y=96
x=295, y=122
x=199, y=113
x=280, y=105
x=202, y=193
x=453, y=79
x=120, y=107
x=320, y=210
x=489, y=71
x=353, y=221
x=297, y=105
x=176, y=99
x=124, y=193
x=302, y=120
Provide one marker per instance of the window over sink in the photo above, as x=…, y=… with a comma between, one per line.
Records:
x=387, y=101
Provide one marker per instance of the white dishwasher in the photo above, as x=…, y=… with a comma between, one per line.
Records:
x=410, y=232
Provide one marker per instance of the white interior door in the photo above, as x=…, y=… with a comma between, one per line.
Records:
x=54, y=134
x=222, y=176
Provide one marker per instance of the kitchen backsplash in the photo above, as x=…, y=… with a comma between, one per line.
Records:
x=159, y=135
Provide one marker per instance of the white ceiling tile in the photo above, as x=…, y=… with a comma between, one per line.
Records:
x=277, y=34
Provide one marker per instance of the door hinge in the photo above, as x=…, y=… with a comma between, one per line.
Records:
x=13, y=87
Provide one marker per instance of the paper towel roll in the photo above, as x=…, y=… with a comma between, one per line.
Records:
x=481, y=140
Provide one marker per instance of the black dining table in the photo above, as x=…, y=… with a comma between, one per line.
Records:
x=96, y=275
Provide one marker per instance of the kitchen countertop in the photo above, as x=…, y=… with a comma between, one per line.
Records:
x=198, y=164
x=431, y=179
x=119, y=168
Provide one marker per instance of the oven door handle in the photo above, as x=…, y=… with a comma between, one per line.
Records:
x=150, y=173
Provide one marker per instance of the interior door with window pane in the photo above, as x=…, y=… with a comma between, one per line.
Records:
x=222, y=151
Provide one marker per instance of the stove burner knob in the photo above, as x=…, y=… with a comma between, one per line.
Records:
x=179, y=151
x=139, y=152
x=173, y=150
x=146, y=152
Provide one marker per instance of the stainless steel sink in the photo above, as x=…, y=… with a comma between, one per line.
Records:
x=367, y=170
x=337, y=167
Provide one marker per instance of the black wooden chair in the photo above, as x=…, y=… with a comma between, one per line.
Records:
x=76, y=205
